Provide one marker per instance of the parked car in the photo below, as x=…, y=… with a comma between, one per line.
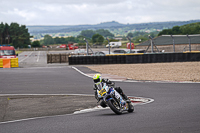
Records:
x=126, y=51
x=114, y=45
x=121, y=51
x=63, y=46
x=79, y=51
x=138, y=51
x=103, y=53
x=72, y=47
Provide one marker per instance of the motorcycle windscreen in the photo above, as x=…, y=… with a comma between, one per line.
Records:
x=99, y=86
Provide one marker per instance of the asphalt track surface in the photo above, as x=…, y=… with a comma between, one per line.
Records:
x=176, y=106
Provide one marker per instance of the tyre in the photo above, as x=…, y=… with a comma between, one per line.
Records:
x=114, y=106
x=103, y=104
x=130, y=108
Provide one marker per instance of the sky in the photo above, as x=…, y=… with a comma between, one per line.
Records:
x=79, y=12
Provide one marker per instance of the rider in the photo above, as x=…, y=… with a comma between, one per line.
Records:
x=100, y=82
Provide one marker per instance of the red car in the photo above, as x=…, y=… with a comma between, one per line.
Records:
x=72, y=47
x=63, y=46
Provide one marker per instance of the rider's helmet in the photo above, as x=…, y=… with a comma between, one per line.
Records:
x=97, y=79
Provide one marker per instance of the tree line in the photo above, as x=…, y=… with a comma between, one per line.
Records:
x=193, y=28
x=48, y=40
x=18, y=35
x=98, y=37
x=14, y=35
x=95, y=37
x=90, y=33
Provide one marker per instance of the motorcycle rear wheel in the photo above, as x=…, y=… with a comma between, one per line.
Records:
x=115, y=107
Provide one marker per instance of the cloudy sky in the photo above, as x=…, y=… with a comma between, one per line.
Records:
x=75, y=12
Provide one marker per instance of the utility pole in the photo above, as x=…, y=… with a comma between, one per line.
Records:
x=151, y=43
x=86, y=45
x=173, y=43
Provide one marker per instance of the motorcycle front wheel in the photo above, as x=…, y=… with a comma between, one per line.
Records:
x=130, y=108
x=115, y=107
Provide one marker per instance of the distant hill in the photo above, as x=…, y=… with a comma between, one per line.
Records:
x=70, y=28
x=114, y=27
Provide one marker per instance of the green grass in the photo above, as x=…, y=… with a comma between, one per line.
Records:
x=18, y=52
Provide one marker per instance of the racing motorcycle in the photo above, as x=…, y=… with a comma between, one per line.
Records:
x=110, y=97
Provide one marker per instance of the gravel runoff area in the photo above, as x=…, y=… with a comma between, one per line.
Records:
x=179, y=71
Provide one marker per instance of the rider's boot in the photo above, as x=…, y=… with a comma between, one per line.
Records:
x=125, y=97
x=119, y=90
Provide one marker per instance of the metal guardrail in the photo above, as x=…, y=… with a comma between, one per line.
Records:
x=9, y=62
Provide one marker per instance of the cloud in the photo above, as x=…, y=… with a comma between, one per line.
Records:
x=68, y=12
x=24, y=14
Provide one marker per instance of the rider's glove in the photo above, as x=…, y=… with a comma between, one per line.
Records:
x=94, y=87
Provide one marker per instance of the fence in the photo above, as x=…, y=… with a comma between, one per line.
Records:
x=172, y=43
x=58, y=58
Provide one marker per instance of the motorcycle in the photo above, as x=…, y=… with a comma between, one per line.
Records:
x=110, y=97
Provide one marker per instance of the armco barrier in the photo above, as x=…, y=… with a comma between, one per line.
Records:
x=14, y=62
x=137, y=58
x=1, y=62
x=8, y=63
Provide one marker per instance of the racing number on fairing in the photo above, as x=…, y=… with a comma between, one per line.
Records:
x=102, y=92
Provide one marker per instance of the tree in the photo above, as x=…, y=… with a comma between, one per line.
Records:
x=87, y=33
x=63, y=40
x=6, y=33
x=15, y=35
x=48, y=40
x=57, y=40
x=36, y=44
x=1, y=32
x=193, y=28
x=23, y=37
x=104, y=33
x=100, y=40
x=176, y=30
x=97, y=39
x=130, y=34
x=90, y=33
x=14, y=32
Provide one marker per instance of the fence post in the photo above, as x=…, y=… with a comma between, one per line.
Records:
x=109, y=44
x=189, y=42
x=173, y=44
x=151, y=44
x=86, y=45
x=60, y=58
x=51, y=58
